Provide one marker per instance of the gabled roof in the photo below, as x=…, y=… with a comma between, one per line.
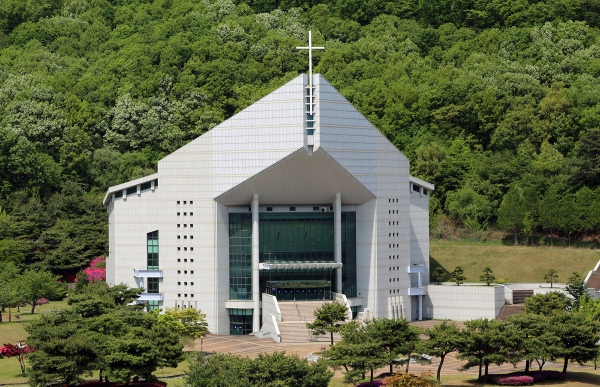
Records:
x=299, y=179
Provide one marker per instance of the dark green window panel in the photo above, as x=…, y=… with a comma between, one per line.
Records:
x=131, y=191
x=152, y=305
x=240, y=256
x=152, y=250
x=146, y=186
x=240, y=321
x=153, y=285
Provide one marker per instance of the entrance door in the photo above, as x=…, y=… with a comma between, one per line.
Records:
x=300, y=290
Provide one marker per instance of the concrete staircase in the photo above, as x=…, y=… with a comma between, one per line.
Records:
x=508, y=310
x=519, y=296
x=295, y=315
x=594, y=281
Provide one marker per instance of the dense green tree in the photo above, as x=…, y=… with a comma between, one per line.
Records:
x=546, y=304
x=458, y=275
x=577, y=337
x=488, y=277
x=328, y=319
x=511, y=214
x=442, y=340
x=40, y=284
x=396, y=336
x=438, y=275
x=551, y=276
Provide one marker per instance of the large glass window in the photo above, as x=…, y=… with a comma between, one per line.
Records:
x=152, y=305
x=349, y=254
x=152, y=240
x=240, y=321
x=302, y=236
x=240, y=256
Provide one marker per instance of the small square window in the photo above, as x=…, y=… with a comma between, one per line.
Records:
x=269, y=208
x=191, y=249
x=191, y=283
x=191, y=295
x=178, y=202
x=179, y=237
x=178, y=225
x=292, y=208
x=178, y=260
x=191, y=237
x=178, y=295
x=185, y=283
x=185, y=295
x=185, y=260
x=191, y=202
x=184, y=237
x=185, y=225
x=184, y=202
x=185, y=249
x=185, y=272
x=315, y=208
x=192, y=272
x=178, y=283
x=191, y=225
x=178, y=271
x=179, y=213
x=192, y=260
x=185, y=213
x=179, y=248
x=191, y=214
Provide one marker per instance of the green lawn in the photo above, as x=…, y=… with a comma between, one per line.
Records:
x=512, y=263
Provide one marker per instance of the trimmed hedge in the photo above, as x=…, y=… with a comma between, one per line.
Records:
x=522, y=379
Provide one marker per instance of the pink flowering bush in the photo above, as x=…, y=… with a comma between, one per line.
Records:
x=42, y=301
x=97, y=270
x=514, y=381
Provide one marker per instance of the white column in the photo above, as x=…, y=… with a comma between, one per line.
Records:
x=420, y=281
x=420, y=307
x=255, y=277
x=337, y=232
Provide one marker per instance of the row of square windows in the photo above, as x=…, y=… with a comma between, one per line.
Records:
x=185, y=225
x=393, y=246
x=185, y=202
x=392, y=200
x=185, y=272
x=394, y=256
x=394, y=279
x=392, y=223
x=394, y=291
x=185, y=283
x=394, y=234
x=185, y=249
x=185, y=214
x=185, y=260
x=292, y=209
x=394, y=268
x=392, y=211
x=185, y=237
x=185, y=295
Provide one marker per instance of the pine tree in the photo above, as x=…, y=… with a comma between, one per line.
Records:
x=488, y=277
x=438, y=275
x=329, y=316
x=442, y=339
x=551, y=276
x=458, y=275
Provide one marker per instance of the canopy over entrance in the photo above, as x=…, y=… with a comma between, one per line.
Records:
x=302, y=290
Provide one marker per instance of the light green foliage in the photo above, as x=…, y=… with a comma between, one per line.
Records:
x=488, y=277
x=512, y=212
x=458, y=275
x=168, y=320
x=441, y=340
x=276, y=370
x=193, y=321
x=546, y=304
x=40, y=284
x=328, y=319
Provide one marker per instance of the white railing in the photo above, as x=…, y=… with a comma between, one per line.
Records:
x=508, y=294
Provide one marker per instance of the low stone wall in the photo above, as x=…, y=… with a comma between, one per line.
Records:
x=270, y=306
x=270, y=329
x=462, y=303
x=533, y=286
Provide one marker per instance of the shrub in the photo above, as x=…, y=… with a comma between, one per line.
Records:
x=423, y=379
x=514, y=381
x=522, y=379
x=42, y=301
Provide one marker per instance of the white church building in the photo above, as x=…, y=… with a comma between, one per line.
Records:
x=296, y=198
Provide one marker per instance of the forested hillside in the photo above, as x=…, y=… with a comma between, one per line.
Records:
x=481, y=96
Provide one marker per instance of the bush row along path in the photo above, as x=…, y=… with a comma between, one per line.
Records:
x=251, y=347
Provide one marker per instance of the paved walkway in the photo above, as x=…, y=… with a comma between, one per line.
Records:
x=250, y=346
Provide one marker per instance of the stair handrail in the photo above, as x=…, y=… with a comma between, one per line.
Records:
x=592, y=272
x=510, y=293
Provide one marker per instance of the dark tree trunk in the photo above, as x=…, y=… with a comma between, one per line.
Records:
x=516, y=240
x=371, y=376
x=332, y=338
x=526, y=366
x=439, y=371
x=485, y=377
x=408, y=362
x=391, y=368
x=480, y=369
x=565, y=366
x=0, y=317
x=33, y=306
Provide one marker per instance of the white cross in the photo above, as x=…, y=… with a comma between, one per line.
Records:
x=310, y=48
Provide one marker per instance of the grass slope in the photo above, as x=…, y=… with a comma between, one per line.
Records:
x=512, y=263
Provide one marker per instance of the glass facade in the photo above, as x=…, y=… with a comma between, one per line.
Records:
x=153, y=285
x=152, y=241
x=240, y=321
x=240, y=256
x=152, y=305
x=291, y=237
